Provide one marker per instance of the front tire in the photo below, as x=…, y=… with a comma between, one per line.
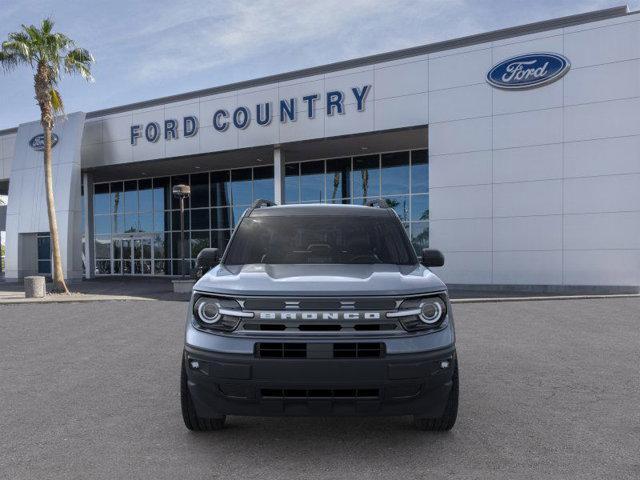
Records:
x=191, y=419
x=445, y=422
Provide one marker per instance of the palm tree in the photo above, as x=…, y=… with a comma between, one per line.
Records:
x=47, y=53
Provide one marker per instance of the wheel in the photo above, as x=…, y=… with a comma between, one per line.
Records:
x=448, y=418
x=191, y=419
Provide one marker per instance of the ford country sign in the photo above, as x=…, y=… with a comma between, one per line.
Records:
x=528, y=71
x=37, y=142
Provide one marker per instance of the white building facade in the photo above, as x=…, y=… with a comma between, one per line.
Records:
x=526, y=174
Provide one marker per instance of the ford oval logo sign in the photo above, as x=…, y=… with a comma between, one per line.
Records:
x=37, y=142
x=528, y=71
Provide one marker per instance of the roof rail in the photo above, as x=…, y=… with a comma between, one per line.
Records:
x=377, y=202
x=262, y=203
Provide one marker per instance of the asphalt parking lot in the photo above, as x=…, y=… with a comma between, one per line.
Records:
x=549, y=389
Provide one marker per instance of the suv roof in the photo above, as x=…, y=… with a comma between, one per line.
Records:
x=318, y=209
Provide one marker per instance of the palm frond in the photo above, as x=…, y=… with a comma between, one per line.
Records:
x=56, y=101
x=79, y=60
x=8, y=60
x=47, y=25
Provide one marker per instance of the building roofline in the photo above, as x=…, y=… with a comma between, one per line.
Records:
x=494, y=35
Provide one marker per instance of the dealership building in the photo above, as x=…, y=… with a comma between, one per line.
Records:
x=515, y=152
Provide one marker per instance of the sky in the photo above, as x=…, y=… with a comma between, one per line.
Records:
x=149, y=49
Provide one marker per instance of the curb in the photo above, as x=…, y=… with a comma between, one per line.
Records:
x=72, y=299
x=542, y=299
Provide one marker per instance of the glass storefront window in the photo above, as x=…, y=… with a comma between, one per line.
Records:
x=263, y=183
x=102, y=224
x=292, y=183
x=241, y=190
x=145, y=222
x=220, y=218
x=395, y=173
x=366, y=176
x=200, y=190
x=420, y=235
x=312, y=181
x=401, y=206
x=101, y=199
x=131, y=196
x=175, y=220
x=220, y=238
x=117, y=197
x=117, y=223
x=161, y=194
x=131, y=222
x=220, y=189
x=419, y=171
x=145, y=195
x=199, y=240
x=200, y=219
x=338, y=179
x=420, y=207
x=141, y=210
x=103, y=247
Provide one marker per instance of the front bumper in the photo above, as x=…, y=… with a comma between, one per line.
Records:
x=395, y=384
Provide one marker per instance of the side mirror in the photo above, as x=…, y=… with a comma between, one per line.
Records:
x=206, y=260
x=432, y=257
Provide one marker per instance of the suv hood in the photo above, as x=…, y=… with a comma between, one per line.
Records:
x=320, y=280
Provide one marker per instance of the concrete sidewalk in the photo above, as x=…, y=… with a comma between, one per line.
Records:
x=102, y=289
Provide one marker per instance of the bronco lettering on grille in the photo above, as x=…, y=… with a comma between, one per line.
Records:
x=319, y=315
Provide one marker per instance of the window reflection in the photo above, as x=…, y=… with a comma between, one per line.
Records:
x=395, y=173
x=338, y=179
x=366, y=176
x=200, y=190
x=419, y=171
x=312, y=181
x=241, y=186
x=292, y=183
x=142, y=209
x=220, y=189
x=263, y=183
x=101, y=199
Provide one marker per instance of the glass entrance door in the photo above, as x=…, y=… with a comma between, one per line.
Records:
x=142, y=256
x=133, y=255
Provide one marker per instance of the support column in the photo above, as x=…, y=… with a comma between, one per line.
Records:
x=278, y=175
x=87, y=204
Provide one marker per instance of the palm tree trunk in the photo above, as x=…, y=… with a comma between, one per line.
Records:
x=59, y=285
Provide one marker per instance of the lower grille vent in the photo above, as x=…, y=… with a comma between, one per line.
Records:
x=357, y=350
x=319, y=350
x=282, y=350
x=326, y=393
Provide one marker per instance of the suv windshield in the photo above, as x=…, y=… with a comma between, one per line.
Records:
x=301, y=239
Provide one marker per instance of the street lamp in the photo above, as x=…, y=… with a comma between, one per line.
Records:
x=181, y=192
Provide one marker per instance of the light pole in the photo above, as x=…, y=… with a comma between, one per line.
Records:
x=182, y=192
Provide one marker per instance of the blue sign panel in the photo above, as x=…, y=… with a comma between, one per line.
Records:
x=37, y=142
x=528, y=71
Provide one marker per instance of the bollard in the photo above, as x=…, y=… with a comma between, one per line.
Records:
x=34, y=287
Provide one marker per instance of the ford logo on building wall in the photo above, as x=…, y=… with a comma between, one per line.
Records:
x=37, y=142
x=528, y=71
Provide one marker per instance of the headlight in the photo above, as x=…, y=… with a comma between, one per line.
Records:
x=421, y=313
x=208, y=310
x=217, y=314
x=431, y=310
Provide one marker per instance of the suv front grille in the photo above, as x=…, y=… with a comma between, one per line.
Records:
x=320, y=350
x=319, y=304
